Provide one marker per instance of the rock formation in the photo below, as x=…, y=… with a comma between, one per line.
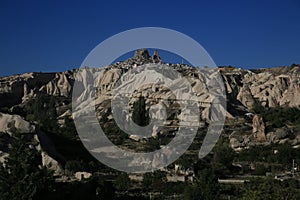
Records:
x=82, y=175
x=12, y=124
x=270, y=87
x=51, y=163
x=155, y=57
x=259, y=129
x=59, y=86
x=141, y=54
x=245, y=96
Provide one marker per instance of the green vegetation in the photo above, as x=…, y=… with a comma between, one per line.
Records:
x=222, y=158
x=122, y=182
x=257, y=107
x=37, y=181
x=42, y=110
x=140, y=115
x=155, y=180
x=235, y=92
x=206, y=187
x=279, y=116
x=282, y=159
x=270, y=189
x=22, y=177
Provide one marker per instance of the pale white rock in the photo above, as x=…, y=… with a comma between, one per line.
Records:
x=14, y=123
x=3, y=156
x=82, y=175
x=59, y=86
x=272, y=87
x=259, y=129
x=245, y=96
x=51, y=163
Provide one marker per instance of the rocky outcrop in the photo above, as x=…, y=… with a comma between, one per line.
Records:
x=245, y=96
x=12, y=124
x=155, y=57
x=13, y=88
x=271, y=87
x=20, y=88
x=50, y=157
x=109, y=79
x=259, y=129
x=82, y=175
x=60, y=85
x=50, y=163
x=141, y=54
x=9, y=125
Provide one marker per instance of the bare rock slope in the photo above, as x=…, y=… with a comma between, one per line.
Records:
x=244, y=88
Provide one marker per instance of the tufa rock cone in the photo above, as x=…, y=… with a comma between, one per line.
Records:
x=259, y=128
x=141, y=54
x=155, y=57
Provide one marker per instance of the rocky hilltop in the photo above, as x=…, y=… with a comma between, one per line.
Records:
x=246, y=90
x=271, y=87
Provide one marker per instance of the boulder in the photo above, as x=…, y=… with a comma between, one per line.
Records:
x=14, y=123
x=82, y=175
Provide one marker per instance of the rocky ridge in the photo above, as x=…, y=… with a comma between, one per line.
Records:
x=268, y=87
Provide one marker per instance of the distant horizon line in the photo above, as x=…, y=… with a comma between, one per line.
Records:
x=70, y=69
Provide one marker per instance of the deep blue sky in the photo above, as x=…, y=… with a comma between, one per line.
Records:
x=56, y=35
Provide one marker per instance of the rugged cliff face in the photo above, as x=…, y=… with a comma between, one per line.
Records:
x=272, y=88
x=13, y=88
x=244, y=88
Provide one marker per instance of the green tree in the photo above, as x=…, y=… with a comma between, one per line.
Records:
x=147, y=180
x=260, y=170
x=257, y=107
x=51, y=121
x=191, y=192
x=21, y=177
x=206, y=187
x=69, y=130
x=208, y=184
x=73, y=166
x=222, y=158
x=269, y=189
x=155, y=180
x=159, y=179
x=140, y=115
x=235, y=92
x=223, y=154
x=122, y=182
